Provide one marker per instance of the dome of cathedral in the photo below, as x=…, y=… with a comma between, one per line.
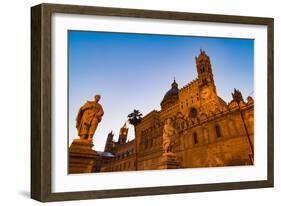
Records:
x=171, y=92
x=171, y=96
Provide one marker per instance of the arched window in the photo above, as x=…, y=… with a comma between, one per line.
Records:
x=218, y=131
x=195, y=138
x=192, y=112
x=203, y=68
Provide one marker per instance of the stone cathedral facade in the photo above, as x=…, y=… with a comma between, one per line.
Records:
x=210, y=131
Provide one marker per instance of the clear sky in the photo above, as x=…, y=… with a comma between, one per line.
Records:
x=134, y=71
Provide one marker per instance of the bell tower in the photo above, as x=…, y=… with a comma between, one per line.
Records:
x=123, y=134
x=209, y=101
x=204, y=69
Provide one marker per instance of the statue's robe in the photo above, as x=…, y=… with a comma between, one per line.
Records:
x=88, y=117
x=168, y=137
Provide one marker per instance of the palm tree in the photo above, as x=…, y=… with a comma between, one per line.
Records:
x=134, y=118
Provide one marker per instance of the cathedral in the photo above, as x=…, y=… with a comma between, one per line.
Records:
x=209, y=131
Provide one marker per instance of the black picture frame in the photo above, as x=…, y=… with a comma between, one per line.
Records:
x=41, y=101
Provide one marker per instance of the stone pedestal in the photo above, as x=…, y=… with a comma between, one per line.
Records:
x=82, y=158
x=169, y=161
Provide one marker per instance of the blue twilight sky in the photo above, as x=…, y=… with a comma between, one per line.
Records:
x=134, y=71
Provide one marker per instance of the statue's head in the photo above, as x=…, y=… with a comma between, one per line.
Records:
x=97, y=98
x=169, y=121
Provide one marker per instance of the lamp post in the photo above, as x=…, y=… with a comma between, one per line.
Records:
x=237, y=97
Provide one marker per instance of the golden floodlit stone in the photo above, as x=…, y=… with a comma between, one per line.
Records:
x=194, y=128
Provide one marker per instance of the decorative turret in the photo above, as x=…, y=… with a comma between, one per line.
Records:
x=237, y=96
x=123, y=134
x=109, y=142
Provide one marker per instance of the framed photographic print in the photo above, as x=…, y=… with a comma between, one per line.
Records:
x=132, y=102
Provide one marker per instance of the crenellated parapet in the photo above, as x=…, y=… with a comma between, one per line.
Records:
x=193, y=85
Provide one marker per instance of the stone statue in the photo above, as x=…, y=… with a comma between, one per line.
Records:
x=88, y=118
x=169, y=133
